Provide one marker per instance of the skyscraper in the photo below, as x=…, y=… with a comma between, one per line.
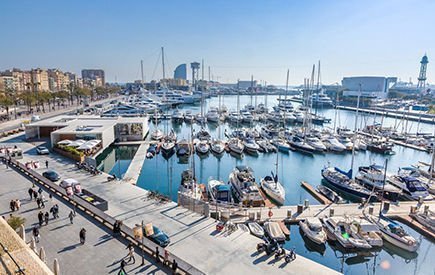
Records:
x=180, y=72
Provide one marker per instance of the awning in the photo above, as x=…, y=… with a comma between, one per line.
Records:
x=64, y=142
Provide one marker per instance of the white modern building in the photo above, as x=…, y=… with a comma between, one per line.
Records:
x=370, y=86
x=106, y=129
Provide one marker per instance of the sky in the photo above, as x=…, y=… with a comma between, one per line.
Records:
x=236, y=38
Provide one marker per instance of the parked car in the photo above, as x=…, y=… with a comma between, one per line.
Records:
x=51, y=175
x=159, y=237
x=41, y=150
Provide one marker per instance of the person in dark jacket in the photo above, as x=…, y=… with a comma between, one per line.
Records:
x=40, y=218
x=82, y=236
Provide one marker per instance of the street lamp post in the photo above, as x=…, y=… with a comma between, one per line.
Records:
x=143, y=246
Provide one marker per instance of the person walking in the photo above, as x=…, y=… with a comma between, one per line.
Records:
x=130, y=254
x=157, y=254
x=17, y=204
x=46, y=217
x=122, y=270
x=38, y=202
x=42, y=202
x=71, y=217
x=40, y=218
x=166, y=256
x=46, y=164
x=35, y=194
x=174, y=267
x=39, y=191
x=12, y=205
x=36, y=233
x=30, y=191
x=56, y=210
x=82, y=236
x=51, y=197
x=52, y=211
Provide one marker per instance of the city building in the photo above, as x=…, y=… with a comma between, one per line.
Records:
x=370, y=86
x=39, y=80
x=93, y=77
x=246, y=84
x=57, y=80
x=181, y=72
x=106, y=129
x=6, y=82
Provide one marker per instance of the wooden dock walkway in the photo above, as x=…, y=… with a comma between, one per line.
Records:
x=316, y=194
x=290, y=214
x=424, y=118
x=397, y=142
x=416, y=225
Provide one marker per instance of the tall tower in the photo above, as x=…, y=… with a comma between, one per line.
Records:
x=195, y=69
x=422, y=76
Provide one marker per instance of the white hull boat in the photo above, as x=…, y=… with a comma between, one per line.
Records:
x=313, y=229
x=256, y=229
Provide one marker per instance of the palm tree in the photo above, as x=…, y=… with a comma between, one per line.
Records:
x=6, y=101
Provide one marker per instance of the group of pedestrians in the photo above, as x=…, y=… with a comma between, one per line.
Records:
x=43, y=218
x=130, y=258
x=15, y=205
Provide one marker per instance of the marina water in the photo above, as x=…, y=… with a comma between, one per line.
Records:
x=164, y=175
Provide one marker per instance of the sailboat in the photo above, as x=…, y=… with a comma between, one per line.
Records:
x=217, y=146
x=189, y=185
x=272, y=187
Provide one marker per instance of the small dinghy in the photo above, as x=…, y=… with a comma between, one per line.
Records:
x=243, y=227
x=274, y=231
x=256, y=229
x=284, y=229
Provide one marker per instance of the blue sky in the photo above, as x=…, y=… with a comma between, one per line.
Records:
x=235, y=38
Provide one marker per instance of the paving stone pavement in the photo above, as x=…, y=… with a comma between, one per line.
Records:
x=101, y=254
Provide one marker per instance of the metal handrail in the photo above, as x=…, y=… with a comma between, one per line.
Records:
x=20, y=269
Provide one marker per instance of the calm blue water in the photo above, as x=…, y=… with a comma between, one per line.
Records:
x=163, y=175
x=116, y=159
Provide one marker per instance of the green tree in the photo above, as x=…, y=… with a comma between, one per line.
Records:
x=6, y=101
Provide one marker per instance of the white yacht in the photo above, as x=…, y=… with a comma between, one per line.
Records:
x=273, y=188
x=332, y=144
x=213, y=115
x=313, y=229
x=217, y=146
x=338, y=229
x=244, y=187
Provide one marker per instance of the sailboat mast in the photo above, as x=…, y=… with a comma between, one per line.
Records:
x=318, y=88
x=141, y=71
x=285, y=97
x=336, y=110
x=252, y=87
x=163, y=63
x=354, y=132
x=383, y=187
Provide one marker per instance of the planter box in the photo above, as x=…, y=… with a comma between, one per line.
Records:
x=69, y=155
x=93, y=199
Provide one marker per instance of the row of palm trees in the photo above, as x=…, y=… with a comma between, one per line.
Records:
x=9, y=98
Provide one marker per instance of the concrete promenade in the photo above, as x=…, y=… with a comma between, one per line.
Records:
x=193, y=237
x=101, y=254
x=133, y=171
x=16, y=123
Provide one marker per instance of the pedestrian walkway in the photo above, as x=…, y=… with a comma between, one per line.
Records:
x=16, y=123
x=193, y=236
x=101, y=253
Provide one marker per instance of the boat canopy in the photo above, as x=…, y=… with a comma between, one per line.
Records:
x=223, y=187
x=348, y=173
